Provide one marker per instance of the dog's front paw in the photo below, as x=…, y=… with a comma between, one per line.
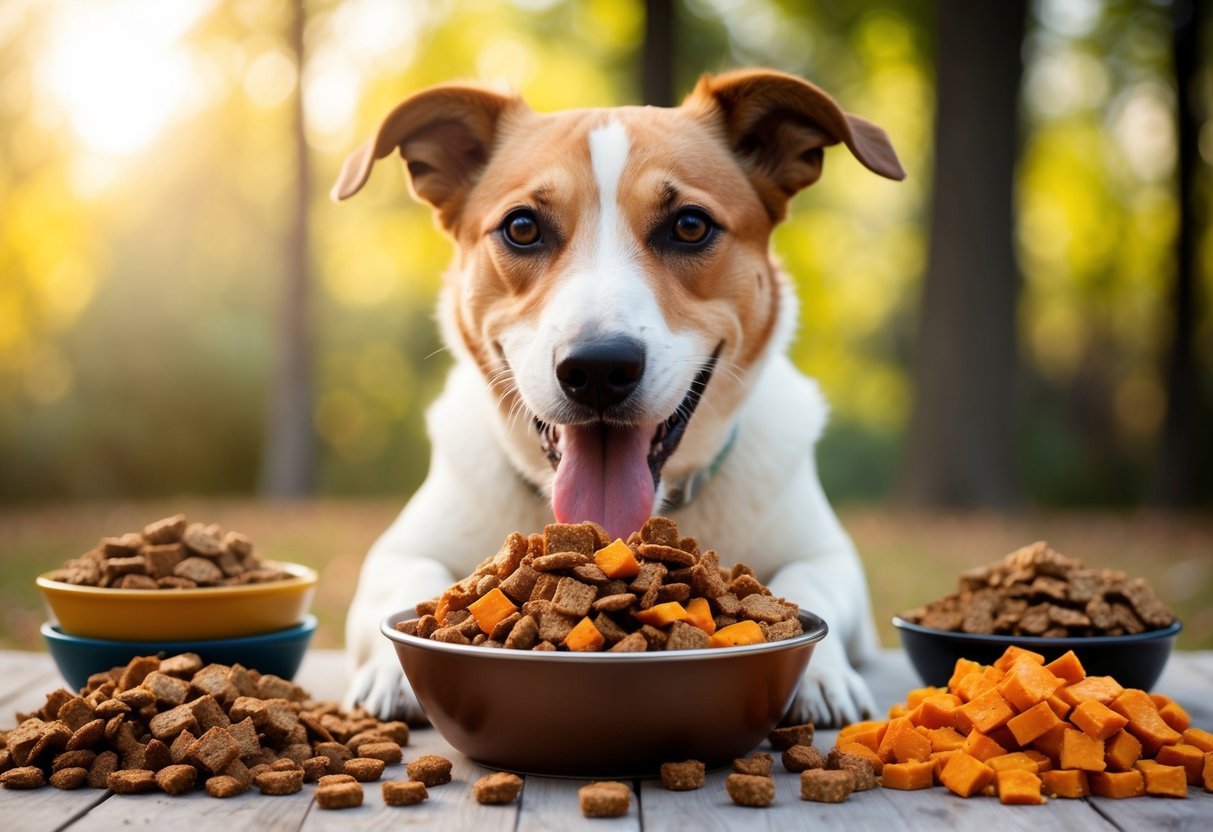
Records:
x=380, y=686
x=831, y=696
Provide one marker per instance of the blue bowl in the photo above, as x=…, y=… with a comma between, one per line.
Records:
x=280, y=652
x=1135, y=661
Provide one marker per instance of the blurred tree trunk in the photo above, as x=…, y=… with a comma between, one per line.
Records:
x=657, y=71
x=960, y=444
x=289, y=450
x=1180, y=453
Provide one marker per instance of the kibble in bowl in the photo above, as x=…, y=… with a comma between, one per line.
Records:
x=546, y=704
x=176, y=581
x=1049, y=603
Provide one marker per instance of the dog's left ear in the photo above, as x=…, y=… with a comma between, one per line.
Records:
x=444, y=134
x=777, y=125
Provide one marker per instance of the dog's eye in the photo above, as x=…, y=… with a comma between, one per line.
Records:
x=521, y=229
x=691, y=227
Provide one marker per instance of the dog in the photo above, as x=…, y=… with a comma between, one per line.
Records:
x=619, y=331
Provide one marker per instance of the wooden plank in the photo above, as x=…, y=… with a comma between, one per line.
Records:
x=20, y=673
x=1193, y=814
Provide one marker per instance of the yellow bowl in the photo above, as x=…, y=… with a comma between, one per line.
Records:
x=180, y=614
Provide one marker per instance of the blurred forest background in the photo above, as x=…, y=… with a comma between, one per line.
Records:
x=1025, y=322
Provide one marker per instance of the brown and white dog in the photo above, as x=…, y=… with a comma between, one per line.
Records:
x=620, y=332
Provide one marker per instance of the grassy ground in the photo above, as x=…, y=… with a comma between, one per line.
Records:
x=910, y=557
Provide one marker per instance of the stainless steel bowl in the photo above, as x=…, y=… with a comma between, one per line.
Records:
x=603, y=714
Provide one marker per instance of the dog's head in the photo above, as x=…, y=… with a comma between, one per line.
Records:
x=613, y=274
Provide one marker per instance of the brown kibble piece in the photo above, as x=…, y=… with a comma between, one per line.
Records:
x=176, y=779
x=750, y=789
x=364, y=769
x=607, y=799
x=223, y=785
x=403, y=792
x=72, y=777
x=279, y=782
x=23, y=777
x=825, y=785
x=430, y=769
x=389, y=752
x=684, y=776
x=497, y=788
x=215, y=749
x=759, y=764
x=201, y=571
x=103, y=766
x=131, y=781
x=786, y=736
x=800, y=758
x=339, y=796
x=863, y=775
x=168, y=530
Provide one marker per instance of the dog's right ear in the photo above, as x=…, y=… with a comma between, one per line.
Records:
x=445, y=136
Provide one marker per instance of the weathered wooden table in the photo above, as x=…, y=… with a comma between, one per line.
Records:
x=551, y=804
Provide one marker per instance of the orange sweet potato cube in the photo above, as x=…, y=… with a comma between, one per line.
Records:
x=1013, y=654
x=1067, y=667
x=1097, y=720
x=1017, y=786
x=1065, y=783
x=1033, y=722
x=975, y=684
x=617, y=561
x=897, y=711
x=743, y=632
x=1049, y=743
x=965, y=775
x=867, y=733
x=938, y=711
x=491, y=608
x=1144, y=721
x=916, y=697
x=1117, y=784
x=700, y=614
x=1043, y=763
x=659, y=615
x=980, y=746
x=1191, y=758
x=1015, y=759
x=984, y=712
x=1080, y=751
x=962, y=669
x=1163, y=780
x=944, y=739
x=908, y=776
x=1122, y=751
x=1201, y=739
x=939, y=759
x=1174, y=715
x=1060, y=706
x=1101, y=688
x=585, y=637
x=1027, y=683
x=901, y=743
x=1206, y=774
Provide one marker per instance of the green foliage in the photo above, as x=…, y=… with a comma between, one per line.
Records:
x=140, y=262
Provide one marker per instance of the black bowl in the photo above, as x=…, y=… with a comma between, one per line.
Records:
x=1135, y=661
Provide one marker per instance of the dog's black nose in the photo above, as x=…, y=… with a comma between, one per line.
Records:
x=601, y=373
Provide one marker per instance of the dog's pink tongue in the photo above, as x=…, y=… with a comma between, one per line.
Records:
x=604, y=476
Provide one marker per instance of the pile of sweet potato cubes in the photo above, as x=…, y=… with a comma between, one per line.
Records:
x=1024, y=730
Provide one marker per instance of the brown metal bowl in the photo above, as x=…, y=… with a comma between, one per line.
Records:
x=603, y=714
